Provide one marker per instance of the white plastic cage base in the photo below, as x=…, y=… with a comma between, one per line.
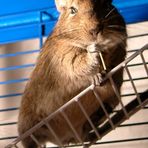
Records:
x=111, y=122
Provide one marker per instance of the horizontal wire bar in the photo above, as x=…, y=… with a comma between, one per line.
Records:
x=8, y=138
x=133, y=124
x=121, y=141
x=135, y=79
x=136, y=64
x=16, y=67
x=11, y=95
x=14, y=81
x=7, y=124
x=136, y=36
x=9, y=109
x=127, y=95
x=19, y=53
x=132, y=50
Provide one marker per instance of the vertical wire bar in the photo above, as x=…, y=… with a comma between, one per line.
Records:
x=35, y=140
x=118, y=96
x=89, y=120
x=134, y=87
x=144, y=62
x=41, y=30
x=71, y=126
x=104, y=109
x=54, y=134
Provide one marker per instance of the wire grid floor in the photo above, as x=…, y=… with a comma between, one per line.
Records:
x=126, y=110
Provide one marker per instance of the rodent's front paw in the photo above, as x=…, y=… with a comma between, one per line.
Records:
x=92, y=48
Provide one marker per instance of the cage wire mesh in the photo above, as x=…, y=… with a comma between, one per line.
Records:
x=122, y=113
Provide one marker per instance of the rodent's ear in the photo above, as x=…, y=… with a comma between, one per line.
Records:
x=60, y=4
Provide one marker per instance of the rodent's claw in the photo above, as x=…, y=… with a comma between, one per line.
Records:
x=98, y=78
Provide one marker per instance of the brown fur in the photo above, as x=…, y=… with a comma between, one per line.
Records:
x=66, y=66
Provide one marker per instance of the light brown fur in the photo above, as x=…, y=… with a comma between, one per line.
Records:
x=66, y=66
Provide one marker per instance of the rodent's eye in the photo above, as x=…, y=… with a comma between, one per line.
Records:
x=73, y=10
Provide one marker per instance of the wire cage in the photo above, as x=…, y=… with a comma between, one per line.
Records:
x=134, y=96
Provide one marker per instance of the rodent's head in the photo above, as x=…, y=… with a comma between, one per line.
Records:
x=81, y=19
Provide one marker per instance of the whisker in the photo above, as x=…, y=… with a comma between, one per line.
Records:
x=109, y=13
x=109, y=18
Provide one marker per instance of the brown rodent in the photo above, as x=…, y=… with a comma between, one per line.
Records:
x=66, y=65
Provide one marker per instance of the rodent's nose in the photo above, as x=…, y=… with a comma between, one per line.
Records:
x=94, y=32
